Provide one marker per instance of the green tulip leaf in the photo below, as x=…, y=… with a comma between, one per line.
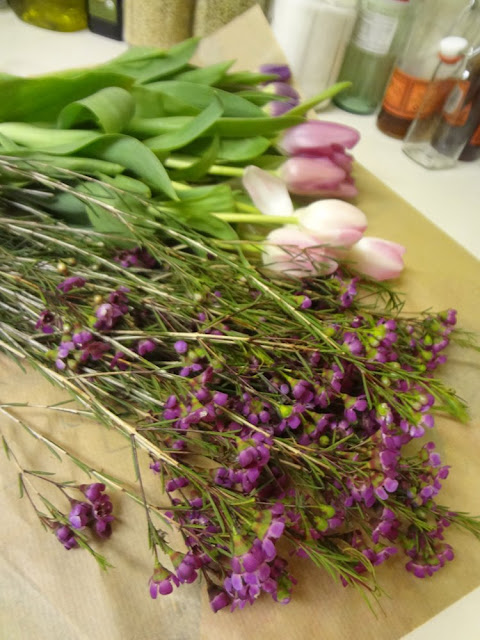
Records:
x=109, y=109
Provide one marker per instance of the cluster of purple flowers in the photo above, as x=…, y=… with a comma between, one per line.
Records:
x=95, y=514
x=324, y=409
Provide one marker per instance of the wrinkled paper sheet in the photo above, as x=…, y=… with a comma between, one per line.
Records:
x=48, y=593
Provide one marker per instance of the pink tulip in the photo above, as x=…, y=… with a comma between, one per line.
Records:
x=333, y=222
x=295, y=253
x=380, y=259
x=316, y=138
x=317, y=177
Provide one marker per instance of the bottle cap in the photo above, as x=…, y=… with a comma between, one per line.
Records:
x=452, y=49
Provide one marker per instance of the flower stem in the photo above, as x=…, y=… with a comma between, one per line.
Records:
x=332, y=91
x=256, y=218
x=175, y=162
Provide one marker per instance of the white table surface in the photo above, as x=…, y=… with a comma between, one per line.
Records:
x=449, y=198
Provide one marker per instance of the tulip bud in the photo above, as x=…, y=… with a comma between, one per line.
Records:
x=282, y=71
x=295, y=253
x=377, y=258
x=316, y=138
x=333, y=222
x=319, y=176
x=277, y=108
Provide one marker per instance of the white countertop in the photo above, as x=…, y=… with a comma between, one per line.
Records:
x=449, y=198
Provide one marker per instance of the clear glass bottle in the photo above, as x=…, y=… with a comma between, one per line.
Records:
x=313, y=35
x=471, y=151
x=58, y=15
x=461, y=114
x=418, y=140
x=434, y=19
x=379, y=35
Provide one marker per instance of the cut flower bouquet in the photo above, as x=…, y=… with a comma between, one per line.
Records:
x=276, y=385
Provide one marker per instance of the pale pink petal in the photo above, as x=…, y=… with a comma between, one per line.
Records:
x=291, y=251
x=268, y=193
x=343, y=190
x=380, y=259
x=307, y=176
x=333, y=222
x=317, y=137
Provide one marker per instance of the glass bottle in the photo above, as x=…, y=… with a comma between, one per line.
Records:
x=461, y=114
x=379, y=34
x=105, y=17
x=434, y=19
x=471, y=151
x=313, y=35
x=418, y=140
x=58, y=15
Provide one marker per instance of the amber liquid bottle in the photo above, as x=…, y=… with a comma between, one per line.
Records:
x=410, y=79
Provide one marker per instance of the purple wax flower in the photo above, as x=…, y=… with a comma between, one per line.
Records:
x=65, y=348
x=137, y=257
x=220, y=398
x=118, y=361
x=81, y=338
x=93, y=491
x=181, y=346
x=219, y=599
x=46, y=322
x=94, y=350
x=80, y=515
x=66, y=537
x=74, y=282
x=146, y=346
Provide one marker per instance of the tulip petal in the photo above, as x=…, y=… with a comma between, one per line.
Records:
x=305, y=176
x=269, y=193
x=316, y=137
x=333, y=222
x=380, y=259
x=291, y=251
x=343, y=190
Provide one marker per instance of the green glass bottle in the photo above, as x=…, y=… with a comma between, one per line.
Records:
x=58, y=15
x=379, y=34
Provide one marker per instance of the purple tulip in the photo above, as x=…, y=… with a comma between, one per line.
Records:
x=282, y=71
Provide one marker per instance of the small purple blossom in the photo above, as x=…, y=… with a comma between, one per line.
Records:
x=74, y=282
x=66, y=537
x=146, y=346
x=181, y=347
x=80, y=515
x=47, y=322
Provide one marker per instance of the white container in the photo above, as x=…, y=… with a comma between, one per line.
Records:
x=313, y=34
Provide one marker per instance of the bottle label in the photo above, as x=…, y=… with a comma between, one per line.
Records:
x=456, y=112
x=405, y=95
x=375, y=32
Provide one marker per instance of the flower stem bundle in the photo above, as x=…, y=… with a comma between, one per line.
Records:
x=280, y=416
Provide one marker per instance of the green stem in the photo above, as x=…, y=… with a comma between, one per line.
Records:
x=175, y=162
x=256, y=218
x=332, y=91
